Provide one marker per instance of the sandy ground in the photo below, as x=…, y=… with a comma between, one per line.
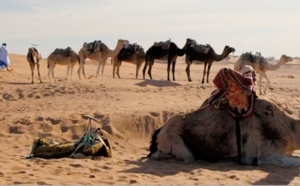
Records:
x=129, y=111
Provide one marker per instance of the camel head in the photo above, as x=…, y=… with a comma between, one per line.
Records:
x=122, y=42
x=34, y=54
x=85, y=46
x=228, y=49
x=284, y=58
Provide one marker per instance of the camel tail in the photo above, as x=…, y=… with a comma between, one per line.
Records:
x=153, y=143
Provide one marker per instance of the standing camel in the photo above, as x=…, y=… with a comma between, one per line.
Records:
x=33, y=58
x=206, y=54
x=131, y=53
x=163, y=51
x=260, y=65
x=100, y=52
x=62, y=57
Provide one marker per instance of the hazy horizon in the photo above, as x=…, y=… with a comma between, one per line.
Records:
x=269, y=27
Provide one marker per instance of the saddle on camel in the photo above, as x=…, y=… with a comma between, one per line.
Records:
x=93, y=144
x=235, y=92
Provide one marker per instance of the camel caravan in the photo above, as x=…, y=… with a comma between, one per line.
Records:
x=162, y=50
x=232, y=124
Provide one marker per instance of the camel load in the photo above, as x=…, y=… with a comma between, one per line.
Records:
x=131, y=53
x=60, y=56
x=163, y=44
x=92, y=47
x=229, y=127
x=93, y=143
x=64, y=52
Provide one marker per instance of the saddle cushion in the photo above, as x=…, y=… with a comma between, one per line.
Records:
x=235, y=91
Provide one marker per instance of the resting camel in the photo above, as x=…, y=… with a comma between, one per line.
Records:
x=267, y=136
x=100, y=52
x=260, y=65
x=206, y=54
x=163, y=51
x=62, y=57
x=33, y=58
x=131, y=53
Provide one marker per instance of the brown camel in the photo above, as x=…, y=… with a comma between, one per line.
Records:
x=100, y=52
x=131, y=53
x=266, y=133
x=164, y=51
x=62, y=57
x=260, y=65
x=206, y=54
x=33, y=58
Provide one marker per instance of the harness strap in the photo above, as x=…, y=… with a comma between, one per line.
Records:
x=238, y=138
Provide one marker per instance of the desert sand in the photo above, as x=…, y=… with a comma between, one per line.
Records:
x=129, y=111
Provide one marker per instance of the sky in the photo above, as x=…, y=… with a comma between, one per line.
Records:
x=271, y=27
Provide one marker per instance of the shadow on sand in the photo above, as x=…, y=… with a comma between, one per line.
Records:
x=157, y=83
x=276, y=175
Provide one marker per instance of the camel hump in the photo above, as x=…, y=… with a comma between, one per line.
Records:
x=94, y=46
x=202, y=48
x=130, y=49
x=65, y=52
x=251, y=57
x=163, y=44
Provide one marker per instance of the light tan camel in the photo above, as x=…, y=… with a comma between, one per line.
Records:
x=33, y=58
x=260, y=65
x=62, y=57
x=99, y=52
x=131, y=53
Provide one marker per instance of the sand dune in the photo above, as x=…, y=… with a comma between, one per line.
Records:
x=129, y=111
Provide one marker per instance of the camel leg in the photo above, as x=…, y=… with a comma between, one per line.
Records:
x=49, y=69
x=260, y=83
x=169, y=140
x=52, y=72
x=204, y=72
x=150, y=69
x=102, y=67
x=188, y=71
x=68, y=68
x=114, y=68
x=71, y=71
x=168, y=69
x=98, y=68
x=38, y=69
x=78, y=71
x=268, y=82
x=118, y=69
x=281, y=160
x=145, y=68
x=173, y=69
x=208, y=70
x=138, y=66
x=32, y=71
x=83, y=69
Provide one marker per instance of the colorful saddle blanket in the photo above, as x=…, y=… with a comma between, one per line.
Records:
x=235, y=91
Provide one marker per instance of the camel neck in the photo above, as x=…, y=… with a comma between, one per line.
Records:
x=275, y=66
